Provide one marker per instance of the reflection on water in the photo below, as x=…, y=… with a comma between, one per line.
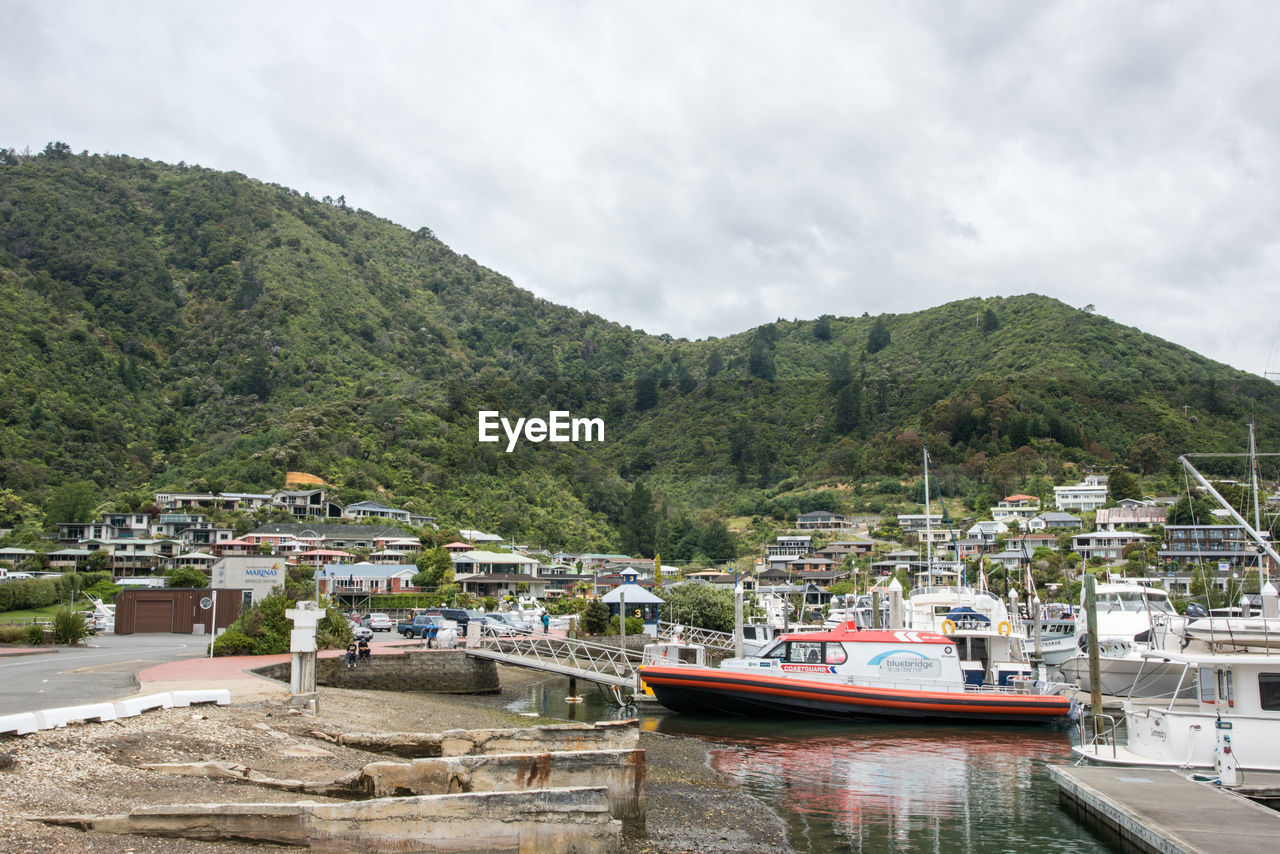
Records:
x=877, y=787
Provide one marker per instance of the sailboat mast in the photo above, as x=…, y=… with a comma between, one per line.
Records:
x=928, y=528
x=1253, y=475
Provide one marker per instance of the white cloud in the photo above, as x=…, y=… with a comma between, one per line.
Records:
x=698, y=169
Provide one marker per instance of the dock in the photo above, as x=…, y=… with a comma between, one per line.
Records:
x=1161, y=811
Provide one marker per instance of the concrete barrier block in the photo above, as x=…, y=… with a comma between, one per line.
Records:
x=221, y=696
x=50, y=718
x=135, y=706
x=20, y=724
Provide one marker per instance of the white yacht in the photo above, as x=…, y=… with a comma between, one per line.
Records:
x=1132, y=619
x=1230, y=723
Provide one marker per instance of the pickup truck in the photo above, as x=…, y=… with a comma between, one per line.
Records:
x=421, y=626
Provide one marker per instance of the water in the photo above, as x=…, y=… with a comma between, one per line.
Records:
x=877, y=787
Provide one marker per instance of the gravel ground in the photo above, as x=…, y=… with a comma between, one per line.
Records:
x=94, y=769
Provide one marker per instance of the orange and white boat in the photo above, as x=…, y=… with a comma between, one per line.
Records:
x=850, y=673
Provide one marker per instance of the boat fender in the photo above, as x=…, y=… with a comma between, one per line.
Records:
x=1004, y=628
x=948, y=627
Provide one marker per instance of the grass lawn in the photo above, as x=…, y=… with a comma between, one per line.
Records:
x=39, y=615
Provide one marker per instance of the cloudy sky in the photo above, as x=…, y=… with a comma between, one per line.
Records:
x=698, y=168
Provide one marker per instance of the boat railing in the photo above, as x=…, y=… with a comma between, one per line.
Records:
x=1096, y=736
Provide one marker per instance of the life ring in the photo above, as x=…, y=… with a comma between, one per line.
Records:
x=948, y=627
x=1004, y=628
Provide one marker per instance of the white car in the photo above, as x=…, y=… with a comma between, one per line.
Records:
x=379, y=622
x=358, y=631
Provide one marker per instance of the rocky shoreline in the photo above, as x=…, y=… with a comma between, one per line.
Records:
x=95, y=768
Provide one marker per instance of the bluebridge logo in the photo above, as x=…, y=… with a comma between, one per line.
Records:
x=906, y=662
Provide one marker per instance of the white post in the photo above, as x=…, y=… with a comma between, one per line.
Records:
x=302, y=645
x=737, y=621
x=897, y=619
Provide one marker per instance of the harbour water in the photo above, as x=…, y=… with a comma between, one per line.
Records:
x=877, y=787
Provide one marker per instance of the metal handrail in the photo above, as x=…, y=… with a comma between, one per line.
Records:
x=1098, y=738
x=722, y=641
x=570, y=657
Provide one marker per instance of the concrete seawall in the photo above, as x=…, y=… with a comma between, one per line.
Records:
x=433, y=671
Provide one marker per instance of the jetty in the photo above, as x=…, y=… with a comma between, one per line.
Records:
x=1161, y=811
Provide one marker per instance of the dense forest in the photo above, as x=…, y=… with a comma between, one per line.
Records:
x=170, y=326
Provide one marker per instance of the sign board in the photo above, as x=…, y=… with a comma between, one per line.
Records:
x=206, y=603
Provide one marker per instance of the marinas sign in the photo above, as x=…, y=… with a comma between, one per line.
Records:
x=558, y=427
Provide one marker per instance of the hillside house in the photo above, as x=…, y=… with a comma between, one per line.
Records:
x=1054, y=521
x=1214, y=545
x=916, y=522
x=1107, y=545
x=1082, y=497
x=822, y=520
x=307, y=504
x=1130, y=516
x=789, y=545
x=366, y=578
x=1020, y=507
x=485, y=573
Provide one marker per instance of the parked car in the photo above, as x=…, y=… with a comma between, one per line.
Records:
x=421, y=626
x=379, y=623
x=509, y=621
x=358, y=631
x=455, y=615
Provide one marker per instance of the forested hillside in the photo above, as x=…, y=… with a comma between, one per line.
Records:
x=173, y=326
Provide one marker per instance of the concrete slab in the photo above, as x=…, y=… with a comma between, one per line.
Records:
x=1157, y=810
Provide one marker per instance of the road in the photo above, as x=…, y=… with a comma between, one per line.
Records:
x=101, y=670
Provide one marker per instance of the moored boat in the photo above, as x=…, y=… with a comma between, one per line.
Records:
x=850, y=673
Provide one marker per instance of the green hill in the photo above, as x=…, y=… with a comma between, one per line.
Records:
x=173, y=326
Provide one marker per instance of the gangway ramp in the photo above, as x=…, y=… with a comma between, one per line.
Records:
x=594, y=662
x=709, y=638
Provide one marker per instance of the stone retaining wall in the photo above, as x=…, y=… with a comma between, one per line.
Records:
x=431, y=671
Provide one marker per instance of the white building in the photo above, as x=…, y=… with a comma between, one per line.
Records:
x=1082, y=497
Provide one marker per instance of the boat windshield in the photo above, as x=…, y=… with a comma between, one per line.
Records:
x=807, y=652
x=1134, y=601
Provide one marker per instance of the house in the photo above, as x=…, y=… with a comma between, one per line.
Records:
x=197, y=560
x=811, y=564
x=1223, y=546
x=1082, y=497
x=987, y=531
x=112, y=526
x=788, y=545
x=1011, y=559
x=1129, y=516
x=190, y=529
x=1020, y=507
x=1053, y=521
x=236, y=548
x=596, y=562
x=307, y=503
x=485, y=573
x=839, y=550
x=635, y=600
x=64, y=559
x=232, y=501
x=473, y=536
x=1031, y=542
x=822, y=520
x=319, y=557
x=298, y=536
x=914, y=522
x=132, y=556
x=365, y=578
x=1107, y=545
x=374, y=510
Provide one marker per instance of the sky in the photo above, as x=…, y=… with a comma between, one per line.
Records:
x=700, y=168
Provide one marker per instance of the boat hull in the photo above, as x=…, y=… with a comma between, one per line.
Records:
x=1118, y=675
x=704, y=690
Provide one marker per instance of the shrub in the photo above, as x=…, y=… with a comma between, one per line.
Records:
x=69, y=627
x=635, y=626
x=12, y=634
x=34, y=634
x=595, y=617
x=232, y=642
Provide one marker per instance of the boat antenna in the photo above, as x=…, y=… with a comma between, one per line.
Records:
x=928, y=529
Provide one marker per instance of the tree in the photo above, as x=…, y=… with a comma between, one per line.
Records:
x=646, y=396
x=435, y=569
x=73, y=502
x=1122, y=484
x=640, y=523
x=878, y=338
x=699, y=605
x=186, y=576
x=716, y=542
x=760, y=360
x=57, y=150
x=1147, y=454
x=990, y=323
x=595, y=617
x=822, y=328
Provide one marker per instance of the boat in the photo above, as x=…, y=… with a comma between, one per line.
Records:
x=1230, y=724
x=1133, y=619
x=847, y=672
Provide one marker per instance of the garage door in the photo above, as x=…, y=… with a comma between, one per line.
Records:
x=153, y=616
